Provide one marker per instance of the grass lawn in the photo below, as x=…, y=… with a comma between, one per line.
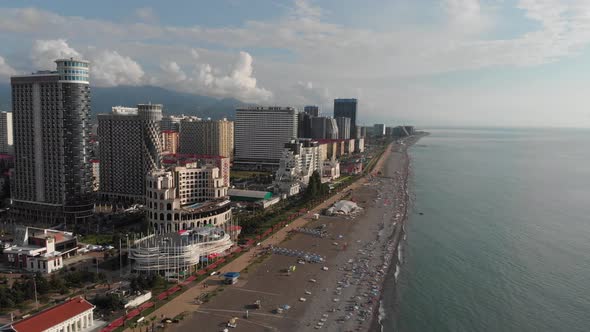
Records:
x=97, y=239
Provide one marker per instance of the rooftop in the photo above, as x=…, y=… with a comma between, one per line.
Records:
x=53, y=316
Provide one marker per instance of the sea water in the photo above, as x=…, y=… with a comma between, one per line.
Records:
x=504, y=240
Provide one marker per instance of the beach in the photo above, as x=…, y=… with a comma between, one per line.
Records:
x=342, y=293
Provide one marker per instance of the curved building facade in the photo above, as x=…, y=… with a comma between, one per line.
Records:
x=53, y=173
x=130, y=148
x=178, y=252
x=186, y=197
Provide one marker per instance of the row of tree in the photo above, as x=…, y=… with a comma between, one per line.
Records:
x=23, y=289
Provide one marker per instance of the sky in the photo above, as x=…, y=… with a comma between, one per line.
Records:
x=515, y=63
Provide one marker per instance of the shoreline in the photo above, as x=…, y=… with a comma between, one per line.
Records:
x=397, y=238
x=353, y=258
x=184, y=302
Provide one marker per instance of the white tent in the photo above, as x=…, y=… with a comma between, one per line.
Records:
x=343, y=208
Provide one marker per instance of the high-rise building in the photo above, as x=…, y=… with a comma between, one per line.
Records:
x=260, y=134
x=207, y=137
x=304, y=125
x=51, y=120
x=172, y=122
x=343, y=128
x=170, y=139
x=388, y=131
x=312, y=110
x=379, y=129
x=130, y=148
x=95, y=174
x=362, y=131
x=346, y=108
x=6, y=135
x=324, y=128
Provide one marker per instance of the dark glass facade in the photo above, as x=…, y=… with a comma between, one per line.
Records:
x=347, y=108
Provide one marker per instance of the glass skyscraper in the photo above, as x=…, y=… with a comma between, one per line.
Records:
x=346, y=108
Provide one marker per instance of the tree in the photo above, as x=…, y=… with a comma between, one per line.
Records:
x=108, y=302
x=314, y=187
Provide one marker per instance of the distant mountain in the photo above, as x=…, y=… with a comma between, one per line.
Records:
x=174, y=102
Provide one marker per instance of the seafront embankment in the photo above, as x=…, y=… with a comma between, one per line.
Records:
x=341, y=294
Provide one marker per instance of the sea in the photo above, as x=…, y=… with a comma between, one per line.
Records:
x=498, y=238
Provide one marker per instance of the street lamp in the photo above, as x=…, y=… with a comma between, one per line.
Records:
x=35, y=287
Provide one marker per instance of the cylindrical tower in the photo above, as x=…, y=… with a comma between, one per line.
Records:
x=77, y=169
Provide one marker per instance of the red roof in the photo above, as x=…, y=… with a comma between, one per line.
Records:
x=53, y=316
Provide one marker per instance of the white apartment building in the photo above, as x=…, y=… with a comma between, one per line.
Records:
x=300, y=158
x=185, y=197
x=331, y=169
x=6, y=135
x=260, y=135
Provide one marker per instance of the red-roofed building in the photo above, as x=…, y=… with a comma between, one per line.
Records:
x=39, y=250
x=74, y=315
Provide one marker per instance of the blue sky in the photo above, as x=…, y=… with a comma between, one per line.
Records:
x=447, y=62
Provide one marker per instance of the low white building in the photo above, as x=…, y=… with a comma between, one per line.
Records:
x=39, y=250
x=299, y=159
x=331, y=169
x=75, y=315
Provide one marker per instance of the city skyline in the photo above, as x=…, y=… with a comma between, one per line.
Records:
x=453, y=62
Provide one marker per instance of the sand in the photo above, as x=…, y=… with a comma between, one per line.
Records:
x=184, y=303
x=345, y=297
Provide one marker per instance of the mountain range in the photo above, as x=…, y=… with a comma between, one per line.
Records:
x=174, y=102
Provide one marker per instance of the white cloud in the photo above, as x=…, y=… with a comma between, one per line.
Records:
x=146, y=14
x=345, y=59
x=45, y=52
x=5, y=69
x=239, y=83
x=467, y=14
x=305, y=9
x=205, y=79
x=308, y=94
x=109, y=68
x=173, y=72
x=194, y=54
